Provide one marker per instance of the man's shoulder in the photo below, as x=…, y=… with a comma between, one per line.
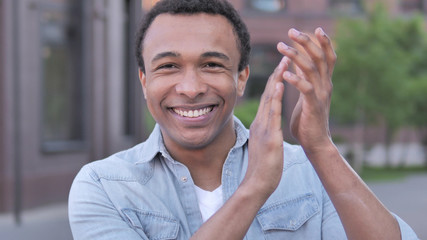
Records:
x=121, y=166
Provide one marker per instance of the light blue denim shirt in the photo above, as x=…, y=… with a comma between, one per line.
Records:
x=143, y=193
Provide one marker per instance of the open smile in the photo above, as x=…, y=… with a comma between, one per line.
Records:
x=194, y=113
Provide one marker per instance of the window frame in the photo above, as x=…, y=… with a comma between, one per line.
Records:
x=71, y=144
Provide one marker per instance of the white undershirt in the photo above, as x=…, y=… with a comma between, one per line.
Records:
x=209, y=202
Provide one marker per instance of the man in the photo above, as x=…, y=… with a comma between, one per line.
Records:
x=201, y=174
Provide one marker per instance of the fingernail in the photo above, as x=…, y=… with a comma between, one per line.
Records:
x=295, y=32
x=283, y=45
x=322, y=32
x=284, y=60
x=282, y=63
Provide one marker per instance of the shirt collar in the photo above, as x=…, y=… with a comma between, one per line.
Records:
x=155, y=145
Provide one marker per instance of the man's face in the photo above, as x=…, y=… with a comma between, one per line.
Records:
x=191, y=79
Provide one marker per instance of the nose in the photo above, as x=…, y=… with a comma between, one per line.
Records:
x=191, y=85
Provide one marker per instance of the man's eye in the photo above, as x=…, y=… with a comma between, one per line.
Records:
x=213, y=65
x=166, y=66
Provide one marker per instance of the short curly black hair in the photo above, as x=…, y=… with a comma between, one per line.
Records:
x=190, y=7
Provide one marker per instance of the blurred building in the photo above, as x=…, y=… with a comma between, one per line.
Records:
x=69, y=92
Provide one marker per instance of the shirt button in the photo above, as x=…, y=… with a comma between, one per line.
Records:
x=184, y=179
x=228, y=172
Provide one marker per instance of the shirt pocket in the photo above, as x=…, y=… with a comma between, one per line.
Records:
x=285, y=218
x=152, y=225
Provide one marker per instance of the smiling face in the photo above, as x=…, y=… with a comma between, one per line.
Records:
x=191, y=81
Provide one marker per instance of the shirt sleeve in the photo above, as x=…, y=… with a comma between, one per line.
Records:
x=406, y=231
x=91, y=213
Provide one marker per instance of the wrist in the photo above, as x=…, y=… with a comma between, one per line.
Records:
x=252, y=190
x=322, y=150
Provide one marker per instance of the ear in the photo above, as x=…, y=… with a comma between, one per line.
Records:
x=242, y=80
x=143, y=81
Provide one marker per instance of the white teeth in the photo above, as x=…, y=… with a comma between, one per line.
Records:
x=193, y=113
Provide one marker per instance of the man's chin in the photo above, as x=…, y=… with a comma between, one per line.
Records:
x=195, y=143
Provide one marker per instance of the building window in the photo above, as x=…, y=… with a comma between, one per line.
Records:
x=346, y=6
x=412, y=5
x=61, y=74
x=268, y=5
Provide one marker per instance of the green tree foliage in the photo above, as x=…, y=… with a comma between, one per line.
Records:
x=246, y=111
x=381, y=72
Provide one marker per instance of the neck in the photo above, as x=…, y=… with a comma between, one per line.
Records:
x=205, y=168
x=205, y=163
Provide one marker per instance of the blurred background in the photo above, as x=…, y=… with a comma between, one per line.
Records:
x=69, y=95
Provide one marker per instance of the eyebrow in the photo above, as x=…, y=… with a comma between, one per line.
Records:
x=165, y=54
x=215, y=54
x=204, y=55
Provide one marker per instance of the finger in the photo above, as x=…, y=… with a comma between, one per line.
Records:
x=312, y=48
x=275, y=77
x=301, y=84
x=302, y=61
x=326, y=45
x=330, y=57
x=275, y=112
